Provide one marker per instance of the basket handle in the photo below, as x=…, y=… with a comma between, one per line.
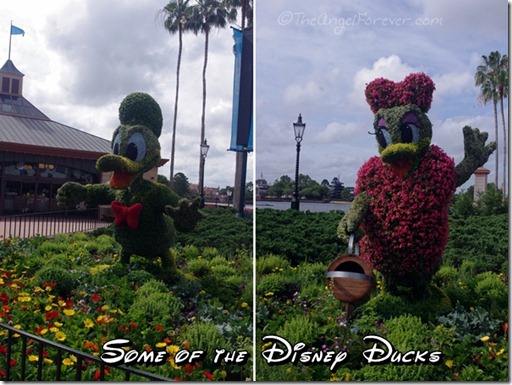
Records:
x=353, y=247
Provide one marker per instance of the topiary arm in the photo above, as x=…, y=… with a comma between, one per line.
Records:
x=476, y=153
x=72, y=193
x=356, y=214
x=186, y=215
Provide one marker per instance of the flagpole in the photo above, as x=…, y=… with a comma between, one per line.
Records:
x=10, y=38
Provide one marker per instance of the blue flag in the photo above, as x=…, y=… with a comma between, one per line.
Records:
x=17, y=31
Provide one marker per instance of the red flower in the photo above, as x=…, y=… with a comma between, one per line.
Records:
x=2, y=373
x=95, y=297
x=4, y=298
x=3, y=349
x=159, y=328
x=13, y=362
x=51, y=314
x=97, y=374
x=189, y=368
x=208, y=375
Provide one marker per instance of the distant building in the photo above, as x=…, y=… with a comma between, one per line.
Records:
x=261, y=188
x=38, y=155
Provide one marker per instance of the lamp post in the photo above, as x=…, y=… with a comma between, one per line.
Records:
x=298, y=128
x=229, y=193
x=204, y=151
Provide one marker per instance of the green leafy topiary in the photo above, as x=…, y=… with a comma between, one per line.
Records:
x=139, y=108
x=299, y=328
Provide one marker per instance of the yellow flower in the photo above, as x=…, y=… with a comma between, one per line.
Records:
x=485, y=339
x=33, y=358
x=62, y=303
x=38, y=289
x=161, y=345
x=24, y=297
x=88, y=323
x=69, y=360
x=69, y=312
x=61, y=336
x=58, y=324
x=48, y=307
x=54, y=329
x=500, y=352
x=1, y=281
x=172, y=349
x=269, y=294
x=244, y=305
x=449, y=363
x=105, y=307
x=43, y=331
x=47, y=361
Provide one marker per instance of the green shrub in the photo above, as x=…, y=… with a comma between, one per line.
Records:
x=199, y=267
x=210, y=253
x=299, y=328
x=139, y=277
x=491, y=292
x=268, y=263
x=59, y=260
x=405, y=333
x=281, y=285
x=223, y=271
x=155, y=308
x=205, y=336
x=312, y=272
x=64, y=279
x=150, y=287
x=190, y=252
x=218, y=260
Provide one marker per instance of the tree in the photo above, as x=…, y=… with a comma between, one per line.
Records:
x=181, y=185
x=175, y=16
x=281, y=187
x=206, y=15
x=163, y=180
x=492, y=77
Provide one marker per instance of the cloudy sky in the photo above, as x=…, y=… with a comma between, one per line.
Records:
x=81, y=58
x=315, y=58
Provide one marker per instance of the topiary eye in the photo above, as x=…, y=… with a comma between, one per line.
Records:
x=136, y=147
x=410, y=133
x=115, y=144
x=383, y=137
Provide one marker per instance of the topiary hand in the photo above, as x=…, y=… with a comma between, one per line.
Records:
x=350, y=222
x=70, y=194
x=476, y=153
x=186, y=215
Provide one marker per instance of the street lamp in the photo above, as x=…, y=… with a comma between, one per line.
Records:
x=204, y=151
x=298, y=128
x=229, y=193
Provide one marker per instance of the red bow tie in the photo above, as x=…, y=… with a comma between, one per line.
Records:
x=126, y=214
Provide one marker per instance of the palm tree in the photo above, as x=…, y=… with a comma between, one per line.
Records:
x=486, y=79
x=209, y=14
x=175, y=17
x=502, y=88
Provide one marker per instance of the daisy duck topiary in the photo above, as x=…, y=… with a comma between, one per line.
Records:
x=147, y=214
x=402, y=196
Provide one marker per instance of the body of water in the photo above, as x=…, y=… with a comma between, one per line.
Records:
x=304, y=206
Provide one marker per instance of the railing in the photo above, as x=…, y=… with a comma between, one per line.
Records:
x=57, y=361
x=51, y=223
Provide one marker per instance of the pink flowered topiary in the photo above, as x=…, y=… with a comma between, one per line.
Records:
x=407, y=226
x=414, y=89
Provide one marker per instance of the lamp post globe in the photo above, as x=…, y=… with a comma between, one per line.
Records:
x=298, y=128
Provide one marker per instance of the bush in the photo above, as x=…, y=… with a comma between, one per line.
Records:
x=199, y=267
x=156, y=308
x=205, y=336
x=299, y=328
x=491, y=292
x=150, y=287
x=280, y=285
x=268, y=263
x=63, y=279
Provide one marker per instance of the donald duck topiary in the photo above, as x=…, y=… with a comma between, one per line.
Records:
x=402, y=197
x=147, y=214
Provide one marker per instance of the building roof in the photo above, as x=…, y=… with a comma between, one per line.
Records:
x=25, y=129
x=45, y=137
